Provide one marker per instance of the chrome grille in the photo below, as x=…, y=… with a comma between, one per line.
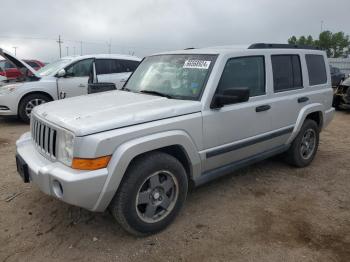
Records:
x=44, y=137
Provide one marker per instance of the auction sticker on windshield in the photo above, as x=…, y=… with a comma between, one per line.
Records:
x=198, y=64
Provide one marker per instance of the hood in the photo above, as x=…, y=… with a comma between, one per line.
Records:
x=95, y=113
x=20, y=64
x=346, y=82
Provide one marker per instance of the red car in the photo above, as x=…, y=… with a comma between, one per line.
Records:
x=11, y=72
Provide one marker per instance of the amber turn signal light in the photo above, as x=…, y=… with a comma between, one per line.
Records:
x=90, y=163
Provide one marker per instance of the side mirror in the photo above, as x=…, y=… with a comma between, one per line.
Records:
x=61, y=73
x=230, y=96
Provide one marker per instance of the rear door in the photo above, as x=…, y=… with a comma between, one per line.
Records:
x=288, y=90
x=75, y=82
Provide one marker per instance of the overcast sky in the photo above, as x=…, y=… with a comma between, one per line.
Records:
x=148, y=26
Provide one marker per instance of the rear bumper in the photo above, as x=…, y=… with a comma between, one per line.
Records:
x=328, y=116
x=75, y=187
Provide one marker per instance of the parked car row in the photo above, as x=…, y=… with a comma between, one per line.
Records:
x=182, y=119
x=64, y=78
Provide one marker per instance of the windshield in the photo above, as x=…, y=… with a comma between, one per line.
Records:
x=173, y=76
x=53, y=67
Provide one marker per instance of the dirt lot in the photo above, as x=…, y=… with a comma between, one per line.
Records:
x=267, y=212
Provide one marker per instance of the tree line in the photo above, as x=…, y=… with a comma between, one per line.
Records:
x=335, y=44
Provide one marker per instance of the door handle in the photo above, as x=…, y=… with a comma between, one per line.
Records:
x=81, y=85
x=123, y=80
x=262, y=108
x=303, y=99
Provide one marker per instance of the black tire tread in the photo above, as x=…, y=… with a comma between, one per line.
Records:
x=21, y=114
x=292, y=155
x=128, y=183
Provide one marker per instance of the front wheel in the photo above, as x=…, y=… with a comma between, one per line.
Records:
x=305, y=145
x=28, y=103
x=151, y=194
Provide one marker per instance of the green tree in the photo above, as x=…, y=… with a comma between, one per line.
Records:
x=335, y=44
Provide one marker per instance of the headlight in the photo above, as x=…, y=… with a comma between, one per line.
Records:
x=65, y=145
x=4, y=90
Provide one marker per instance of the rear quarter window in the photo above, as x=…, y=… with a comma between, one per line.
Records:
x=316, y=68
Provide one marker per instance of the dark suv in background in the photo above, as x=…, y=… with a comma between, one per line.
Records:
x=337, y=76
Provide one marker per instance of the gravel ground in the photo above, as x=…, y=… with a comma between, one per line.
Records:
x=267, y=212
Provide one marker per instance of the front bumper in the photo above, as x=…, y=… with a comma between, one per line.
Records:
x=75, y=187
x=7, y=106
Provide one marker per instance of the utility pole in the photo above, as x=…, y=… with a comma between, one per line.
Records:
x=15, y=47
x=60, y=42
x=81, y=47
x=321, y=26
x=67, y=47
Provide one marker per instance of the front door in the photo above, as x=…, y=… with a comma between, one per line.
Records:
x=237, y=131
x=75, y=82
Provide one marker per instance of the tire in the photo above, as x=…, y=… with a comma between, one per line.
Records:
x=297, y=154
x=128, y=206
x=28, y=101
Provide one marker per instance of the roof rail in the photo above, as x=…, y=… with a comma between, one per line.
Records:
x=281, y=46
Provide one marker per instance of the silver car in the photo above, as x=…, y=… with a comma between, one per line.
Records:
x=182, y=119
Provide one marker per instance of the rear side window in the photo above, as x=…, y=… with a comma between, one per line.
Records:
x=317, y=69
x=286, y=72
x=108, y=66
x=244, y=72
x=129, y=65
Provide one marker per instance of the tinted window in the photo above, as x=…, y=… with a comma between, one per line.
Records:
x=286, y=72
x=129, y=65
x=81, y=68
x=244, y=72
x=8, y=65
x=317, y=69
x=108, y=66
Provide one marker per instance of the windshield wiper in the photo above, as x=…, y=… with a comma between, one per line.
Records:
x=152, y=92
x=125, y=89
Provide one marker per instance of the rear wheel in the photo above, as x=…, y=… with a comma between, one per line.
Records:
x=151, y=195
x=28, y=103
x=305, y=145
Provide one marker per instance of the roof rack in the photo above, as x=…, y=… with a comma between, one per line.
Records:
x=281, y=46
x=189, y=48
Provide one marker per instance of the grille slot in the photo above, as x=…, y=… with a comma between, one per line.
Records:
x=44, y=137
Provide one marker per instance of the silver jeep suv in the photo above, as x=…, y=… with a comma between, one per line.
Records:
x=182, y=119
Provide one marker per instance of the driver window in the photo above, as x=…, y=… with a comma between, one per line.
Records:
x=80, y=68
x=244, y=72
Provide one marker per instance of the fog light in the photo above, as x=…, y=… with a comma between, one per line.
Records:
x=57, y=188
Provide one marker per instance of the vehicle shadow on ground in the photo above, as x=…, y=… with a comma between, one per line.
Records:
x=103, y=225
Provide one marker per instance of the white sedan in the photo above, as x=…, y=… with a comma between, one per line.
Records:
x=61, y=79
